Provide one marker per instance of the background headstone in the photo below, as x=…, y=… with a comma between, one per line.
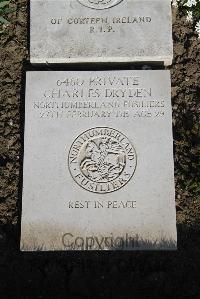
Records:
x=72, y=31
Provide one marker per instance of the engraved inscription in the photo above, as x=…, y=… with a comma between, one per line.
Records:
x=98, y=97
x=102, y=160
x=99, y=4
x=101, y=24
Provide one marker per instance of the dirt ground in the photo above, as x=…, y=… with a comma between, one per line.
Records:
x=100, y=275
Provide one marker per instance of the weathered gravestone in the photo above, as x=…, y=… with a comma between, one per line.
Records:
x=71, y=31
x=98, y=161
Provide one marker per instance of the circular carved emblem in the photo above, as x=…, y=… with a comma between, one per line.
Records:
x=100, y=4
x=102, y=160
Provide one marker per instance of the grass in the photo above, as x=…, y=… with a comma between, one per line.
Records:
x=141, y=244
x=4, y=11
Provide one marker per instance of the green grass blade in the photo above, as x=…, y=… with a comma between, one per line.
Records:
x=4, y=3
x=3, y=21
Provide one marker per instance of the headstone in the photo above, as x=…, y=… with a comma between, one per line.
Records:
x=72, y=31
x=98, y=161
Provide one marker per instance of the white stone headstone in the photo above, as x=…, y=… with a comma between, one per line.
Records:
x=72, y=31
x=98, y=161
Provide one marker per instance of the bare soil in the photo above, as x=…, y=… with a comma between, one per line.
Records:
x=105, y=274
